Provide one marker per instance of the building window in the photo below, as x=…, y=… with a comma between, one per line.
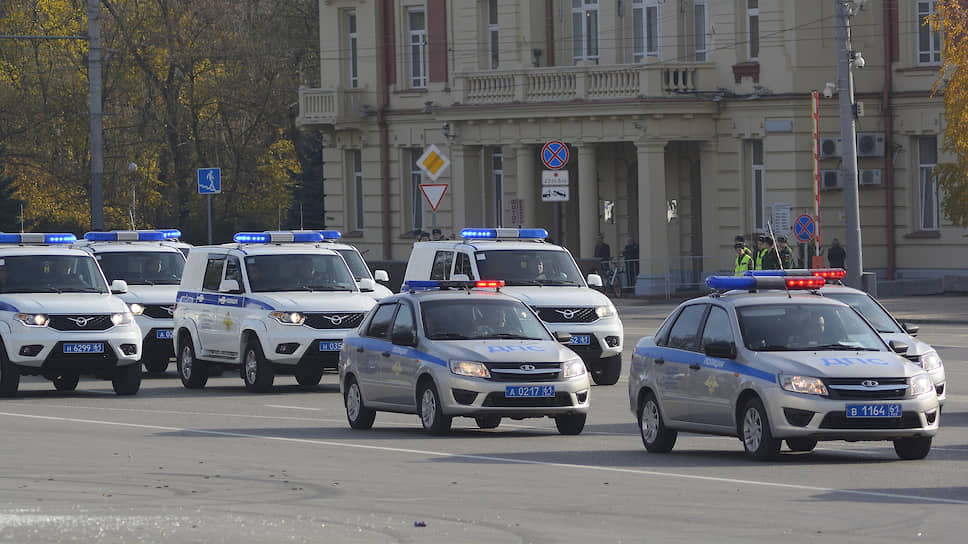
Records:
x=753, y=28
x=416, y=195
x=929, y=43
x=928, y=182
x=759, y=200
x=353, y=58
x=699, y=28
x=584, y=30
x=497, y=174
x=417, y=29
x=492, y=35
x=356, y=183
x=645, y=19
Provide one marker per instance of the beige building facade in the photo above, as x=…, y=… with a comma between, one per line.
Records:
x=687, y=122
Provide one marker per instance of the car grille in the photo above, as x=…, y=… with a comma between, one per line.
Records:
x=80, y=322
x=334, y=320
x=854, y=388
x=839, y=420
x=159, y=311
x=567, y=315
x=513, y=372
x=498, y=400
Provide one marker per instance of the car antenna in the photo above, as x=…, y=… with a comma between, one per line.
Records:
x=779, y=261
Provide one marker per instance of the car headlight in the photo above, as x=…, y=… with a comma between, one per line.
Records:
x=33, y=320
x=288, y=318
x=136, y=308
x=930, y=360
x=921, y=384
x=605, y=311
x=573, y=368
x=803, y=384
x=122, y=319
x=473, y=369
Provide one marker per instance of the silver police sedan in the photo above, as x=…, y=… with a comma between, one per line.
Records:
x=441, y=350
x=766, y=367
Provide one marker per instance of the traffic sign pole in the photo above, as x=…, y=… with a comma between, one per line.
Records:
x=209, y=197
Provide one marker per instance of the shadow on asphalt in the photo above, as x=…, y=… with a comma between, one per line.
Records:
x=911, y=495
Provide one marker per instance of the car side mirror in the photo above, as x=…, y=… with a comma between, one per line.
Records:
x=366, y=284
x=381, y=275
x=911, y=329
x=898, y=347
x=563, y=337
x=119, y=287
x=404, y=338
x=229, y=286
x=722, y=350
x=594, y=280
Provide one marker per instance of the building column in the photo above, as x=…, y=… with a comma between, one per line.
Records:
x=653, y=223
x=460, y=156
x=587, y=201
x=527, y=184
x=712, y=237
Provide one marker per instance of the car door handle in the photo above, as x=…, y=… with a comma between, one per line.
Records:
x=660, y=361
x=385, y=354
x=359, y=349
x=695, y=366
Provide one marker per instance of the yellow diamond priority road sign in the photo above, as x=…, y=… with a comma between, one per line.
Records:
x=433, y=162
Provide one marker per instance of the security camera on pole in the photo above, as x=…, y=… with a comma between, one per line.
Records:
x=846, y=57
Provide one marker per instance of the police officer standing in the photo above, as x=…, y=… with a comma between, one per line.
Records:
x=770, y=260
x=786, y=254
x=759, y=253
x=743, y=260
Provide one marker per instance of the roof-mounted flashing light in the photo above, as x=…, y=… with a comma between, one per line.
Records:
x=331, y=234
x=494, y=234
x=126, y=236
x=428, y=285
x=728, y=283
x=279, y=236
x=170, y=234
x=826, y=273
x=37, y=238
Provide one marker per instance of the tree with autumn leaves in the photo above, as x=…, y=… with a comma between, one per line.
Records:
x=951, y=20
x=187, y=84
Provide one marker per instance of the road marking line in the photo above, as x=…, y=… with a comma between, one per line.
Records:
x=292, y=407
x=493, y=459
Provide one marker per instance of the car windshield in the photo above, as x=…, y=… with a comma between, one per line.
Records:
x=805, y=327
x=356, y=264
x=299, y=272
x=528, y=267
x=871, y=310
x=467, y=319
x=142, y=267
x=50, y=274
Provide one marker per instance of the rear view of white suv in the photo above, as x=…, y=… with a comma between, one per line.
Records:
x=543, y=276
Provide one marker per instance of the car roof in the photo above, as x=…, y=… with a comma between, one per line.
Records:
x=40, y=249
x=744, y=298
x=485, y=244
x=450, y=294
x=272, y=249
x=126, y=247
x=840, y=289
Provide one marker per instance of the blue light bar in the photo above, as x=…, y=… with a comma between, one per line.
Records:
x=251, y=237
x=420, y=285
x=170, y=233
x=478, y=233
x=126, y=236
x=331, y=234
x=280, y=236
x=37, y=238
x=539, y=234
x=726, y=283
x=522, y=234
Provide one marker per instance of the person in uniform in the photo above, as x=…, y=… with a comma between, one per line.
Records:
x=786, y=254
x=743, y=261
x=759, y=253
x=770, y=260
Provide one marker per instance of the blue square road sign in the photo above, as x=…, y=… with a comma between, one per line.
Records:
x=209, y=181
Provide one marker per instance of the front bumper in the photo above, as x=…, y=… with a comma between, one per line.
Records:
x=794, y=415
x=463, y=396
x=301, y=346
x=42, y=351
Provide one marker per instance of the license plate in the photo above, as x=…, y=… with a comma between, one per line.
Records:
x=87, y=347
x=516, y=391
x=330, y=346
x=874, y=410
x=163, y=334
x=580, y=339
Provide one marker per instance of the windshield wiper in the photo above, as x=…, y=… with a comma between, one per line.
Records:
x=774, y=347
x=447, y=336
x=83, y=290
x=510, y=336
x=842, y=347
x=523, y=282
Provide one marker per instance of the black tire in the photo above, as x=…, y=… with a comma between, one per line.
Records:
x=912, y=448
x=608, y=371
x=431, y=413
x=66, y=381
x=488, y=422
x=570, y=424
x=756, y=434
x=257, y=372
x=308, y=376
x=357, y=414
x=9, y=375
x=801, y=444
x=155, y=364
x=656, y=437
x=193, y=373
x=127, y=380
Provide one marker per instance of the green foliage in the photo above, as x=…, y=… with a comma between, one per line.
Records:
x=9, y=203
x=951, y=19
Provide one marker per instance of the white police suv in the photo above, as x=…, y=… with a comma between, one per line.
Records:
x=444, y=349
x=58, y=319
x=361, y=272
x=768, y=367
x=271, y=303
x=150, y=268
x=544, y=276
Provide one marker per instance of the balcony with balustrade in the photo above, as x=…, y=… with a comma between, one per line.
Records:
x=331, y=106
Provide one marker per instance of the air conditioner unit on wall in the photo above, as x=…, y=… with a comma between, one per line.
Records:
x=869, y=177
x=830, y=148
x=870, y=144
x=831, y=180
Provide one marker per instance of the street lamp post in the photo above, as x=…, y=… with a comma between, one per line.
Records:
x=132, y=168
